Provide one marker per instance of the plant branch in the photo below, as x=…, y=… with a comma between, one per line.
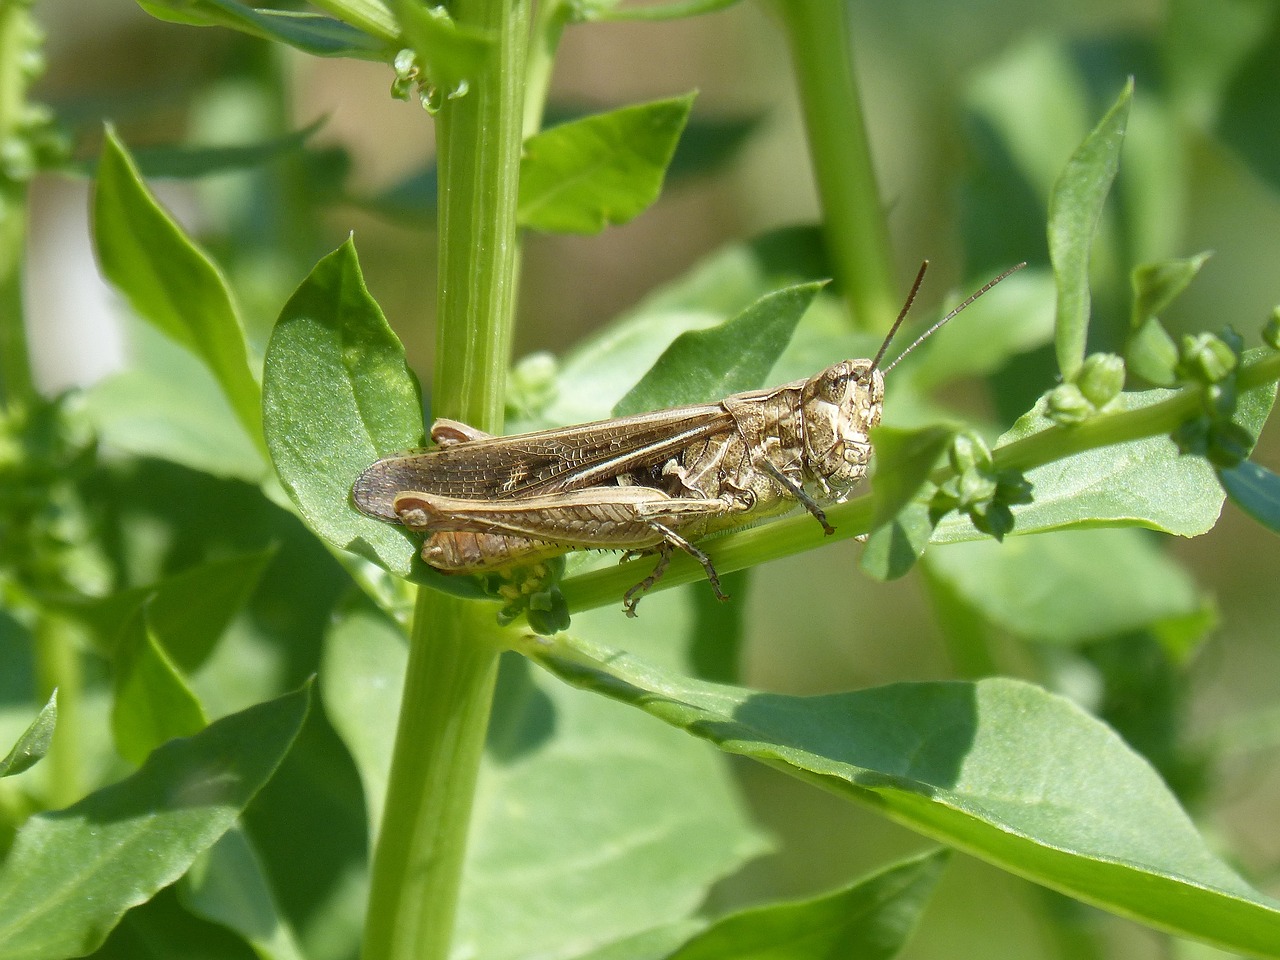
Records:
x=852, y=212
x=798, y=533
x=17, y=32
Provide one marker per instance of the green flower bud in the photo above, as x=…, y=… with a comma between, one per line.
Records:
x=1068, y=405
x=1101, y=378
x=1271, y=332
x=1229, y=443
x=1206, y=358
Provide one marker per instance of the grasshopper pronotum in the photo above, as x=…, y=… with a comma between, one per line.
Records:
x=651, y=482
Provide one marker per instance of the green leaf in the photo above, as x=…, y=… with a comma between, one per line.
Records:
x=703, y=366
x=34, y=742
x=1144, y=483
x=309, y=32
x=190, y=162
x=175, y=413
x=893, y=549
x=361, y=673
x=1000, y=769
x=904, y=460
x=1255, y=490
x=900, y=525
x=227, y=885
x=1075, y=208
x=677, y=9
x=153, y=702
x=169, y=281
x=337, y=395
x=580, y=793
x=597, y=373
x=189, y=610
x=604, y=169
x=870, y=919
x=73, y=873
x=707, y=145
x=1152, y=354
x=1031, y=586
x=1156, y=285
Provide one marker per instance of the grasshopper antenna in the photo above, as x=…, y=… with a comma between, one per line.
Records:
x=941, y=323
x=902, y=315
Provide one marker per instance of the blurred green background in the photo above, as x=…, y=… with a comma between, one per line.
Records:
x=934, y=75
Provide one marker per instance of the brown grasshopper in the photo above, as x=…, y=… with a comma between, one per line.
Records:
x=651, y=482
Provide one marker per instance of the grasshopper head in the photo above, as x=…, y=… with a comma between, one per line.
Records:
x=840, y=406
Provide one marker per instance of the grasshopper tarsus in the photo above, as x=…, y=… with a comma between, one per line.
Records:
x=670, y=541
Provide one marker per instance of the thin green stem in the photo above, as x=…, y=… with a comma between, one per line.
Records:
x=16, y=40
x=798, y=533
x=548, y=26
x=453, y=654
x=58, y=665
x=852, y=211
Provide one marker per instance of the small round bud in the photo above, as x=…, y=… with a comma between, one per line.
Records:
x=1101, y=378
x=1068, y=405
x=1206, y=358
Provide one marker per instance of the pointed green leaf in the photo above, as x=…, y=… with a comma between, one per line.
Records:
x=999, y=768
x=871, y=919
x=189, y=610
x=309, y=32
x=34, y=742
x=228, y=885
x=169, y=281
x=189, y=162
x=605, y=169
x=893, y=548
x=703, y=366
x=1156, y=285
x=1255, y=490
x=71, y=874
x=1075, y=208
x=337, y=395
x=153, y=702
x=904, y=460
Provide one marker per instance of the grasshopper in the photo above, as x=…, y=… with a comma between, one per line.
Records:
x=654, y=482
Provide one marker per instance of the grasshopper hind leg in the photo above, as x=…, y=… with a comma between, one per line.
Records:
x=670, y=541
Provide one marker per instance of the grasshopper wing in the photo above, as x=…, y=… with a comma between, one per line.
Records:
x=535, y=464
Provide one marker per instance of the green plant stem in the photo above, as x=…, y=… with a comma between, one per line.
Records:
x=453, y=655
x=798, y=533
x=16, y=32
x=548, y=26
x=449, y=683
x=852, y=212
x=58, y=665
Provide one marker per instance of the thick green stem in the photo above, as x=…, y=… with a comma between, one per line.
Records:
x=852, y=211
x=417, y=870
x=453, y=655
x=16, y=33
